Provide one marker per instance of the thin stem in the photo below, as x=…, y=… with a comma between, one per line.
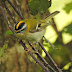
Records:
x=50, y=57
x=6, y=19
x=41, y=58
x=20, y=15
x=16, y=4
x=9, y=12
x=25, y=48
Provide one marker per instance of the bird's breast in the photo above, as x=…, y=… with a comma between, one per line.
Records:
x=36, y=36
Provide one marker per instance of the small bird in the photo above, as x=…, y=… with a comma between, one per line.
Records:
x=32, y=29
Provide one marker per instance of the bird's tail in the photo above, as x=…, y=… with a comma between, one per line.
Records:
x=51, y=15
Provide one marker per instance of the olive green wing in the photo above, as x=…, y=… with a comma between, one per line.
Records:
x=42, y=24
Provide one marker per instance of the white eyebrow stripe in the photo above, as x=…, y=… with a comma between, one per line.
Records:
x=37, y=27
x=24, y=26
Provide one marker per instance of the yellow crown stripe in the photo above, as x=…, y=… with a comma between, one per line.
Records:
x=19, y=24
x=28, y=28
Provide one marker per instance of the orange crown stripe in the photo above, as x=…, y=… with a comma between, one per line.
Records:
x=19, y=24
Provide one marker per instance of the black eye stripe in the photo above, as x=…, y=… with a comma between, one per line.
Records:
x=21, y=30
x=20, y=26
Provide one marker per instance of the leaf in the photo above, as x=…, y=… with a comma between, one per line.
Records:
x=68, y=7
x=44, y=5
x=39, y=6
x=9, y=32
x=68, y=29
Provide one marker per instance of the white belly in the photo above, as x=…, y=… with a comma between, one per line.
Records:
x=31, y=36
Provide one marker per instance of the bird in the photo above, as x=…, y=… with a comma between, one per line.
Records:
x=32, y=29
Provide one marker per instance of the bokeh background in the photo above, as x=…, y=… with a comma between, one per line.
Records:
x=12, y=56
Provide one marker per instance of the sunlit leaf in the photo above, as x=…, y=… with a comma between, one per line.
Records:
x=68, y=7
x=9, y=32
x=68, y=29
x=67, y=66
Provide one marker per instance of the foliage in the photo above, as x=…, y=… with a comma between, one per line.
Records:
x=39, y=6
x=9, y=32
x=68, y=7
x=68, y=29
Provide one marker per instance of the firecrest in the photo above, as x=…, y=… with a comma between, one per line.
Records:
x=32, y=29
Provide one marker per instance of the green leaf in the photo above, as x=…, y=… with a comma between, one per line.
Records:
x=9, y=32
x=44, y=5
x=68, y=7
x=39, y=6
x=68, y=29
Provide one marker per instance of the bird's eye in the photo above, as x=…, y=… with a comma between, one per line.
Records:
x=39, y=25
x=19, y=25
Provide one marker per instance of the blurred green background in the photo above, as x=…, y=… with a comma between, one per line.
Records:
x=12, y=56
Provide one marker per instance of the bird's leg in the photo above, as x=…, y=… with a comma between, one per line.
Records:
x=32, y=46
x=26, y=49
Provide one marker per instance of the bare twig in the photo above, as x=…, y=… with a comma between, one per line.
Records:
x=9, y=12
x=20, y=15
x=6, y=19
x=41, y=58
x=50, y=57
x=16, y=3
x=46, y=70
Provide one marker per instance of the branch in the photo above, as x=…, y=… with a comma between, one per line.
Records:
x=9, y=11
x=50, y=57
x=25, y=48
x=20, y=15
x=41, y=58
x=9, y=24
